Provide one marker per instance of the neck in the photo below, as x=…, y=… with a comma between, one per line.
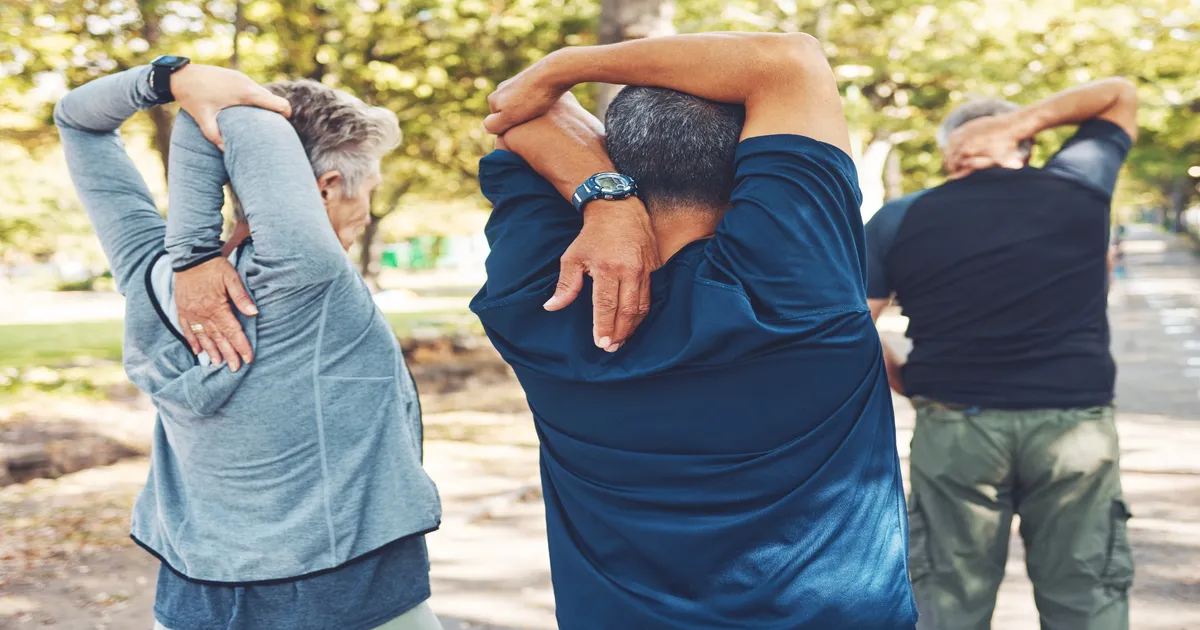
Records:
x=674, y=229
x=241, y=232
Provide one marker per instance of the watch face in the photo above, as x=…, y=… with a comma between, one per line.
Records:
x=610, y=184
x=170, y=61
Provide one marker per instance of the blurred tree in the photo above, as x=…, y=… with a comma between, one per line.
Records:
x=432, y=62
x=902, y=65
x=624, y=20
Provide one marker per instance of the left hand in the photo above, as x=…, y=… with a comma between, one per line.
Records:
x=202, y=296
x=983, y=143
x=203, y=91
x=617, y=248
x=522, y=98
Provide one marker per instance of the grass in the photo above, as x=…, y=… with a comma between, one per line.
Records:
x=27, y=345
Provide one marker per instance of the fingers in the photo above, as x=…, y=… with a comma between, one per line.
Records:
x=208, y=345
x=237, y=293
x=605, y=288
x=570, y=282
x=262, y=97
x=629, y=309
x=496, y=123
x=208, y=127
x=229, y=330
x=228, y=354
x=969, y=165
x=186, y=328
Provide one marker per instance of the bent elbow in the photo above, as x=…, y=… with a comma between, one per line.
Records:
x=792, y=55
x=1126, y=90
x=61, y=119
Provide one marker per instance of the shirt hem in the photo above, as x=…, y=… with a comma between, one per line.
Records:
x=281, y=580
x=368, y=623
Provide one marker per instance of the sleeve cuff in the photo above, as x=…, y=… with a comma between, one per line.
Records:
x=196, y=262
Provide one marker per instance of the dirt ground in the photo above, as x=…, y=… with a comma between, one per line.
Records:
x=66, y=561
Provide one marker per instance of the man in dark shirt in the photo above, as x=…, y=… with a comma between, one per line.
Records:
x=1002, y=273
x=732, y=463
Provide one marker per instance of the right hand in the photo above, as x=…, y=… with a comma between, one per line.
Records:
x=202, y=296
x=616, y=245
x=983, y=143
x=522, y=98
x=617, y=248
x=203, y=91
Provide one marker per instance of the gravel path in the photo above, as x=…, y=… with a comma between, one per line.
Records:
x=65, y=561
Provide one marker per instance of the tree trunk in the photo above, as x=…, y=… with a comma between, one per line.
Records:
x=163, y=120
x=893, y=178
x=870, y=174
x=239, y=25
x=160, y=115
x=1179, y=199
x=624, y=20
x=366, y=253
x=367, y=265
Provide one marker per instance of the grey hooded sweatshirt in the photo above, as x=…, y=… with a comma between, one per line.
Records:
x=310, y=456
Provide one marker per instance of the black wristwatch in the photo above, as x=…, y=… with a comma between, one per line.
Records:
x=608, y=186
x=161, y=70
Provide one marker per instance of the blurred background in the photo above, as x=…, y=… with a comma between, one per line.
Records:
x=73, y=434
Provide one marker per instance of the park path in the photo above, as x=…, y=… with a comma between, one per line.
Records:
x=490, y=568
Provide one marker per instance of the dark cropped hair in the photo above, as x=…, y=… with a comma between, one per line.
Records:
x=679, y=148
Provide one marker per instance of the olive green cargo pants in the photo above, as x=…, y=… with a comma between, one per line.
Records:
x=972, y=469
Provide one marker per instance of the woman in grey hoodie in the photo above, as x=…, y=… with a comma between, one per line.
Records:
x=288, y=494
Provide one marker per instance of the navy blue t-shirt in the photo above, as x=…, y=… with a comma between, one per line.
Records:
x=734, y=464
x=1003, y=276
x=362, y=595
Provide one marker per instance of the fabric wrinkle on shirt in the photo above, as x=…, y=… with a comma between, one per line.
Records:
x=734, y=464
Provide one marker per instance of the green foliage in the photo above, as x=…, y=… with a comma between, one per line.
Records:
x=902, y=65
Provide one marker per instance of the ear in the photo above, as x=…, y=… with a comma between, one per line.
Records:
x=329, y=183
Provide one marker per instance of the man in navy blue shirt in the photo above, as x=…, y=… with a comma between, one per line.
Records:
x=1002, y=273
x=731, y=463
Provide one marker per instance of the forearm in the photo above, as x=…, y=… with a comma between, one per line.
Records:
x=196, y=194
x=1099, y=99
x=120, y=207
x=564, y=151
x=724, y=67
x=104, y=104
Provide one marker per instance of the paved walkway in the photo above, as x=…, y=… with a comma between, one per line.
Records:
x=490, y=568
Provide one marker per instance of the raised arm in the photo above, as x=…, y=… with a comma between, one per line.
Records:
x=992, y=140
x=112, y=191
x=783, y=80
x=197, y=176
x=616, y=245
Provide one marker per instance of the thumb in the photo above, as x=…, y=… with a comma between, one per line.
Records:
x=496, y=123
x=208, y=127
x=237, y=293
x=266, y=100
x=570, y=281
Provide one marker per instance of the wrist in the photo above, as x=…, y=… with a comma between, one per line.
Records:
x=600, y=208
x=558, y=69
x=1027, y=122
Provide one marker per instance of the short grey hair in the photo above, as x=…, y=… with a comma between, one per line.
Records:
x=338, y=131
x=679, y=148
x=978, y=109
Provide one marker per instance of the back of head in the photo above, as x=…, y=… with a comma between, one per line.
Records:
x=339, y=132
x=979, y=108
x=679, y=148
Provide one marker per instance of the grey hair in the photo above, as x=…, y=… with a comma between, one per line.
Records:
x=978, y=109
x=338, y=131
x=679, y=148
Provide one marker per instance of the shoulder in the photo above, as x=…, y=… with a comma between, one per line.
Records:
x=779, y=151
x=887, y=220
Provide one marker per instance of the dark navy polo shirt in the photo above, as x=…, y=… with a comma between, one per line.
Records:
x=1003, y=276
x=734, y=464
